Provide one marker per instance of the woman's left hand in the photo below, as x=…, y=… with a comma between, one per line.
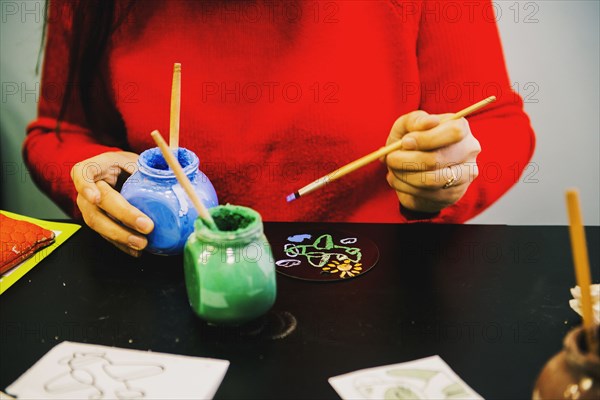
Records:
x=436, y=163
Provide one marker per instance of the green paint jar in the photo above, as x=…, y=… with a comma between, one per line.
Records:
x=230, y=273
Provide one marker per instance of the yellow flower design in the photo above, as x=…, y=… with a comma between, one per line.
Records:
x=345, y=269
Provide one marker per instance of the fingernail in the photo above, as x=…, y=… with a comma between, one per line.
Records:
x=135, y=242
x=90, y=195
x=409, y=143
x=143, y=224
x=135, y=253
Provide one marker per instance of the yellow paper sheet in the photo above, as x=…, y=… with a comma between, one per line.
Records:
x=62, y=232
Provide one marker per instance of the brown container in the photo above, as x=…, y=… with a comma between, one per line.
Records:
x=574, y=373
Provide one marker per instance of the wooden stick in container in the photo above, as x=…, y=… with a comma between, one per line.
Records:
x=582, y=265
x=183, y=180
x=175, y=107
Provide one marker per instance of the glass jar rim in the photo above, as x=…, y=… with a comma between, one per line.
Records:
x=150, y=158
x=241, y=235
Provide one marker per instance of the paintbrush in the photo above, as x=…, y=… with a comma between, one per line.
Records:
x=582, y=266
x=183, y=180
x=175, y=107
x=369, y=158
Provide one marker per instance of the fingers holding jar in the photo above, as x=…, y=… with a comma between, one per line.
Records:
x=103, y=208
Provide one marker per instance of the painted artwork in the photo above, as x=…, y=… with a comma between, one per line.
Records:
x=427, y=378
x=84, y=371
x=324, y=255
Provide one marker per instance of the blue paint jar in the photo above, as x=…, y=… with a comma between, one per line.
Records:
x=154, y=190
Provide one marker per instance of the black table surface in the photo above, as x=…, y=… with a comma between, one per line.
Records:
x=492, y=301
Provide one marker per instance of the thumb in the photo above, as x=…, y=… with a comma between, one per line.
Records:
x=413, y=121
x=86, y=173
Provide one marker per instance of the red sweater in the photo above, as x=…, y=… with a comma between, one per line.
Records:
x=277, y=94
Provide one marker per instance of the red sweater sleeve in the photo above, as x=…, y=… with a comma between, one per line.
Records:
x=461, y=62
x=48, y=155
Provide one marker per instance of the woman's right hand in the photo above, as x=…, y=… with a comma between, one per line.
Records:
x=103, y=208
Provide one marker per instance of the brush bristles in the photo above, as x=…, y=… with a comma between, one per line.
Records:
x=292, y=197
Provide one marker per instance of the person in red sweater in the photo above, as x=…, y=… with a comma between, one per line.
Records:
x=274, y=95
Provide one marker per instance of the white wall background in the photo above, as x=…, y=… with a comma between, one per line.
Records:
x=20, y=36
x=555, y=64
x=552, y=52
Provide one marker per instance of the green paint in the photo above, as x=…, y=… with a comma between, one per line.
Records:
x=230, y=272
x=455, y=390
x=322, y=249
x=400, y=393
x=422, y=374
x=231, y=218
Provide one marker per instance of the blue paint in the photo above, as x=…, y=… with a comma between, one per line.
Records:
x=154, y=190
x=299, y=238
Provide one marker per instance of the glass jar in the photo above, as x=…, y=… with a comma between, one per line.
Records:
x=154, y=190
x=574, y=373
x=230, y=273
